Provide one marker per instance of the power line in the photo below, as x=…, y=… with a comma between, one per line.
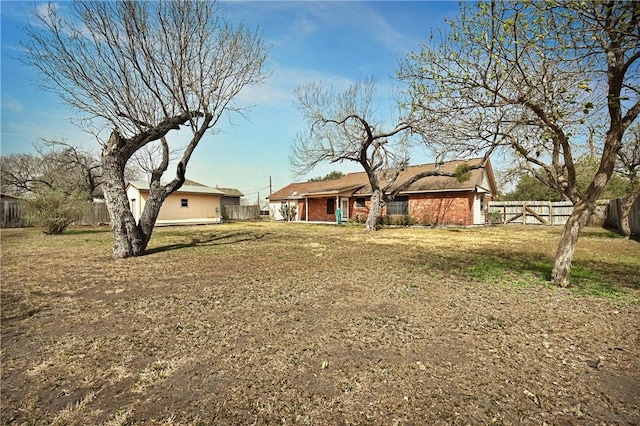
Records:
x=255, y=191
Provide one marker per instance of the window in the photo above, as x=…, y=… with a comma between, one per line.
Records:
x=400, y=205
x=360, y=202
x=331, y=206
x=184, y=202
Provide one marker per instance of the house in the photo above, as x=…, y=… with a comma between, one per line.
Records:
x=431, y=200
x=193, y=203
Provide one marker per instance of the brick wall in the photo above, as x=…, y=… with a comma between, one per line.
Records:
x=442, y=209
x=427, y=209
x=359, y=213
x=318, y=210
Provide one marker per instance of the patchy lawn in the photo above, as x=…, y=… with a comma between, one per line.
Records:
x=273, y=323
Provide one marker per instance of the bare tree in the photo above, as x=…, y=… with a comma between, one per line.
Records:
x=58, y=165
x=530, y=78
x=19, y=172
x=142, y=70
x=344, y=126
x=149, y=157
x=81, y=168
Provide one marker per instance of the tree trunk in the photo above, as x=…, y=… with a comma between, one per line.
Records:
x=567, y=245
x=157, y=195
x=626, y=211
x=131, y=238
x=584, y=208
x=127, y=238
x=374, y=211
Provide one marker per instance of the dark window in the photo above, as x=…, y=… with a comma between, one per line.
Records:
x=400, y=205
x=184, y=202
x=360, y=202
x=331, y=206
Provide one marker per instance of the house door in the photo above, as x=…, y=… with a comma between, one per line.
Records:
x=344, y=208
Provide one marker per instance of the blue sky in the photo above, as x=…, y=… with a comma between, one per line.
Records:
x=336, y=42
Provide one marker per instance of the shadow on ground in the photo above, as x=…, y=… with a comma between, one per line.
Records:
x=211, y=240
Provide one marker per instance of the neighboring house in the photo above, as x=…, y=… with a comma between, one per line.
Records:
x=230, y=197
x=193, y=203
x=431, y=200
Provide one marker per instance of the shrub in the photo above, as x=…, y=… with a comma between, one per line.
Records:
x=53, y=210
x=396, y=220
x=495, y=217
x=288, y=212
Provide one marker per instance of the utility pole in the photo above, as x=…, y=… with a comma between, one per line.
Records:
x=270, y=189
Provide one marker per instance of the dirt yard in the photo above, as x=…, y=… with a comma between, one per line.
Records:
x=273, y=323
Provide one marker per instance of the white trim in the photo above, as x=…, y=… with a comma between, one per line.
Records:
x=478, y=213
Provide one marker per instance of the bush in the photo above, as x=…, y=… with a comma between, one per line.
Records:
x=288, y=212
x=396, y=220
x=53, y=210
x=495, y=217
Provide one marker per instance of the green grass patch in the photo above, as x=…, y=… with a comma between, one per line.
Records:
x=512, y=272
x=601, y=234
x=587, y=282
x=521, y=273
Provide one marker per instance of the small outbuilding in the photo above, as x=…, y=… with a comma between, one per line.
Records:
x=194, y=203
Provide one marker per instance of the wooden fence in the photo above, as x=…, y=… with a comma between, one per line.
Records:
x=13, y=217
x=231, y=212
x=98, y=214
x=530, y=212
x=614, y=215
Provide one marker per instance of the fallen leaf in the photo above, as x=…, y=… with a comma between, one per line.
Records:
x=533, y=397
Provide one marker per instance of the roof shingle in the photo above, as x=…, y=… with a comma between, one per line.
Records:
x=357, y=184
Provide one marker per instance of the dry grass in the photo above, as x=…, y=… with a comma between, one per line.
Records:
x=271, y=323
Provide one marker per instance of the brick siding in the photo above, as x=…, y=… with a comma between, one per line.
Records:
x=318, y=210
x=427, y=209
x=442, y=209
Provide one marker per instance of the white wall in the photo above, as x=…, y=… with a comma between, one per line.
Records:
x=136, y=207
x=478, y=213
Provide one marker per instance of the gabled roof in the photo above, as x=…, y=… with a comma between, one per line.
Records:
x=230, y=192
x=192, y=183
x=357, y=184
x=346, y=185
x=184, y=189
x=442, y=183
